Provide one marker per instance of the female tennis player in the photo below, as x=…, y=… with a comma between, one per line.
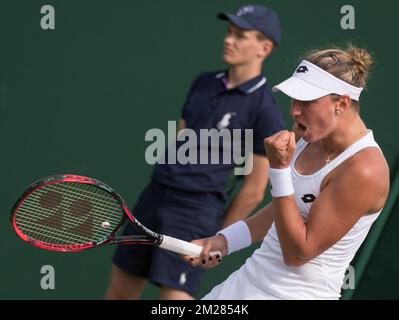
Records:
x=327, y=189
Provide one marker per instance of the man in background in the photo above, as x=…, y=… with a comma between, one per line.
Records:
x=189, y=201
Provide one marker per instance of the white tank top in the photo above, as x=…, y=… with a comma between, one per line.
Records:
x=322, y=277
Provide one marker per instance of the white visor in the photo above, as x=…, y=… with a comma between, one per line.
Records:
x=309, y=82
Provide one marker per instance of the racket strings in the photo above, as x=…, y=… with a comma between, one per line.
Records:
x=49, y=228
x=55, y=237
x=53, y=234
x=45, y=219
x=45, y=230
x=69, y=214
x=68, y=220
x=101, y=212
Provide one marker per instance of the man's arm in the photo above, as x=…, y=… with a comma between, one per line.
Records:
x=250, y=194
x=181, y=125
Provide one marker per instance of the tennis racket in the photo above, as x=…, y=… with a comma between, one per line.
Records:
x=71, y=213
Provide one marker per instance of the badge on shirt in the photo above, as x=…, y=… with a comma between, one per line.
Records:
x=225, y=122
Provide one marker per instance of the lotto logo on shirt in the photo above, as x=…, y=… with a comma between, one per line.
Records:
x=209, y=146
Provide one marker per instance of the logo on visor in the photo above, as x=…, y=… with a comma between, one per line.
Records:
x=302, y=69
x=244, y=10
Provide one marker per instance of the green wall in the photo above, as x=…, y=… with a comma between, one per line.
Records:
x=79, y=99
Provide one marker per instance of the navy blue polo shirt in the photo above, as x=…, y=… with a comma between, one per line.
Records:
x=210, y=105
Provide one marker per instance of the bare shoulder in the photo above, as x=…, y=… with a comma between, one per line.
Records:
x=367, y=172
x=369, y=163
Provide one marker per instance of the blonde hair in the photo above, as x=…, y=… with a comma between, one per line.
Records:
x=350, y=64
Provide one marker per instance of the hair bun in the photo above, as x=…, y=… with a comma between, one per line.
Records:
x=361, y=59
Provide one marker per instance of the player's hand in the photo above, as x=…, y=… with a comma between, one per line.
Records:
x=279, y=149
x=205, y=260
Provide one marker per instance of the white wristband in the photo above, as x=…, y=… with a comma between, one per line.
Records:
x=281, y=182
x=237, y=236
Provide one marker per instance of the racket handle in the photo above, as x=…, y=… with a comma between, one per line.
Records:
x=184, y=247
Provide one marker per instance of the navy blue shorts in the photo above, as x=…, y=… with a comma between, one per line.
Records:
x=175, y=213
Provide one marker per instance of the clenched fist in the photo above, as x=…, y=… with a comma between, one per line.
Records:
x=279, y=149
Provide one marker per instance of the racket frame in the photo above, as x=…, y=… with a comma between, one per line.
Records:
x=149, y=237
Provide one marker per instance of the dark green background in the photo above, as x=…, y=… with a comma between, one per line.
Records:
x=79, y=99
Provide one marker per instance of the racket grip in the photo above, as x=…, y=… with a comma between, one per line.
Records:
x=184, y=247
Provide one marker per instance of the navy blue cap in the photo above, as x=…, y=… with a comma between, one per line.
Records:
x=256, y=17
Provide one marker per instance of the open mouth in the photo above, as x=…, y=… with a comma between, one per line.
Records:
x=301, y=128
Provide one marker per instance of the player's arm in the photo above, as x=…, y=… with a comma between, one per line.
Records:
x=342, y=202
x=258, y=225
x=251, y=192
